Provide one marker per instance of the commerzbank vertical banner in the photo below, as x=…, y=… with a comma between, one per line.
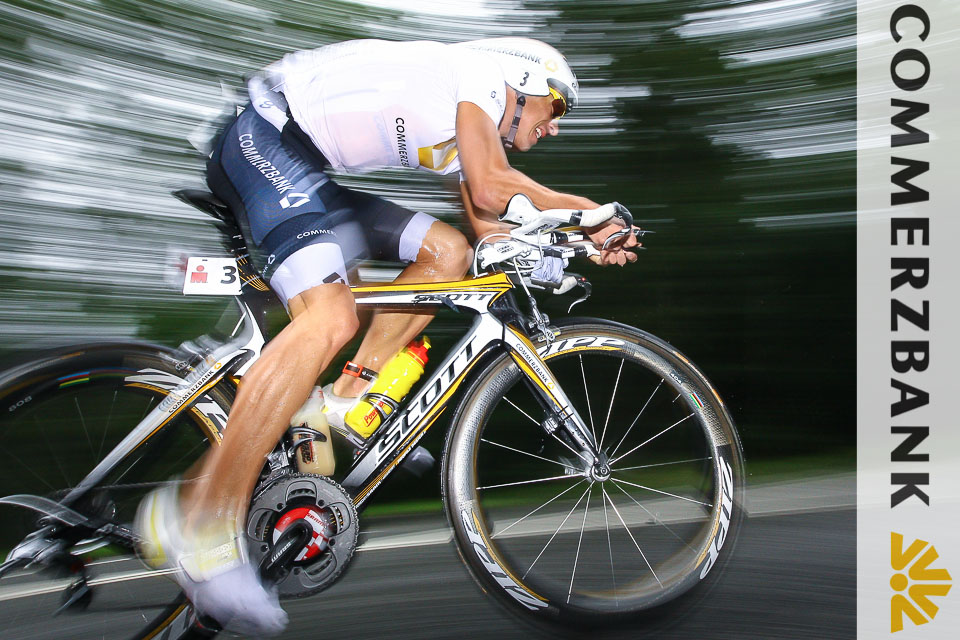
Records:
x=908, y=307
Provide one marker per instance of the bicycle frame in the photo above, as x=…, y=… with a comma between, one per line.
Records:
x=498, y=326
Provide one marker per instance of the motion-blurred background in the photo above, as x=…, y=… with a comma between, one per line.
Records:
x=727, y=126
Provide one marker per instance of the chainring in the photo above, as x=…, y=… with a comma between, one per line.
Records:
x=291, y=493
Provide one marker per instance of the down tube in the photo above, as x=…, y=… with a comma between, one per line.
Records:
x=404, y=431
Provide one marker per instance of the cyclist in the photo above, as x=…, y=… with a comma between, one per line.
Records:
x=351, y=106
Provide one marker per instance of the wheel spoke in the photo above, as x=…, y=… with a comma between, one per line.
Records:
x=629, y=533
x=650, y=439
x=53, y=453
x=613, y=575
x=83, y=423
x=576, y=558
x=502, y=531
x=149, y=404
x=106, y=427
x=575, y=452
x=587, y=394
x=532, y=455
x=655, y=518
x=173, y=467
x=514, y=484
x=665, y=493
x=556, y=532
x=613, y=397
x=663, y=464
x=31, y=471
x=127, y=470
x=644, y=408
x=521, y=411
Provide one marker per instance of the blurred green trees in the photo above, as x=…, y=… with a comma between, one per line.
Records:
x=727, y=127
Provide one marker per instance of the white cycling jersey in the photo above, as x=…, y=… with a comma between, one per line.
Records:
x=372, y=103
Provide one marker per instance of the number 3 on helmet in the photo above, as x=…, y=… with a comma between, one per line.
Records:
x=533, y=68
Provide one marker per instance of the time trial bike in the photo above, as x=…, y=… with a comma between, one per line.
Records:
x=590, y=473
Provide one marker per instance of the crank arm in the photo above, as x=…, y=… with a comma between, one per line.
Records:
x=276, y=564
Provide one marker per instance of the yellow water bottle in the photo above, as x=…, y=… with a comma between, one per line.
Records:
x=394, y=382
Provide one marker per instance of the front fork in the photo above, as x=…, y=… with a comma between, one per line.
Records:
x=560, y=412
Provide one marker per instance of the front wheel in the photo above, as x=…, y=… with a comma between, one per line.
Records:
x=554, y=539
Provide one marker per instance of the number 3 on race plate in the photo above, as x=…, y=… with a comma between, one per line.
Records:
x=211, y=277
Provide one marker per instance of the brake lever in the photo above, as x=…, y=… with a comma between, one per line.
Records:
x=637, y=233
x=585, y=285
x=624, y=214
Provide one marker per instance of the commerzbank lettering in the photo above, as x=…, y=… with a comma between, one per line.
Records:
x=402, y=143
x=514, y=52
x=313, y=232
x=270, y=172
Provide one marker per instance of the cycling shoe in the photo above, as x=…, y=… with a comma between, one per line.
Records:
x=157, y=520
x=211, y=568
x=237, y=601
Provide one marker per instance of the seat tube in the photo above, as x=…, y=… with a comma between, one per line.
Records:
x=542, y=379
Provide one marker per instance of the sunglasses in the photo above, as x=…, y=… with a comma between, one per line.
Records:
x=559, y=104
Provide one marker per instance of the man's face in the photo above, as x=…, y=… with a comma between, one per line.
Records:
x=536, y=122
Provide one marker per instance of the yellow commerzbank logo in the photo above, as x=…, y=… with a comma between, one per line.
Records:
x=920, y=582
x=439, y=156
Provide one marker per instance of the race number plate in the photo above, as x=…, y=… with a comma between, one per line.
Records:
x=211, y=277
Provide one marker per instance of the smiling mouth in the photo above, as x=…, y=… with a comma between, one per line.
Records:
x=538, y=132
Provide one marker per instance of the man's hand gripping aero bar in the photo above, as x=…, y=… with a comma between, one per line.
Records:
x=538, y=247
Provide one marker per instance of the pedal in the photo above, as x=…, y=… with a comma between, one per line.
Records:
x=418, y=462
x=77, y=597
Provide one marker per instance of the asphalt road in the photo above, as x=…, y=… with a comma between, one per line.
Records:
x=793, y=576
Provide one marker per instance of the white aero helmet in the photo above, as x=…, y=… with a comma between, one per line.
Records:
x=531, y=68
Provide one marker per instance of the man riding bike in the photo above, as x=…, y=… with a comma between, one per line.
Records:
x=352, y=106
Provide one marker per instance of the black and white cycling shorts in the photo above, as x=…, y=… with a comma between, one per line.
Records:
x=304, y=229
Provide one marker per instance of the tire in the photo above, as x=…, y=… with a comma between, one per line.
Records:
x=59, y=416
x=565, y=549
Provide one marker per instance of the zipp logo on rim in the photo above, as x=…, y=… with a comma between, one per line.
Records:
x=926, y=582
x=581, y=341
x=726, y=510
x=514, y=590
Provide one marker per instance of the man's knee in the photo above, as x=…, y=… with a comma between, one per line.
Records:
x=448, y=248
x=327, y=313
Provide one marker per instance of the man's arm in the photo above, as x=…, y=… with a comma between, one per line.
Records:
x=491, y=182
x=491, y=178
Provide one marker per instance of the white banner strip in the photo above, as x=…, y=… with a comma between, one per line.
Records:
x=908, y=324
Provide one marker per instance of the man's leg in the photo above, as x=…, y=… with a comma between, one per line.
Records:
x=324, y=319
x=444, y=255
